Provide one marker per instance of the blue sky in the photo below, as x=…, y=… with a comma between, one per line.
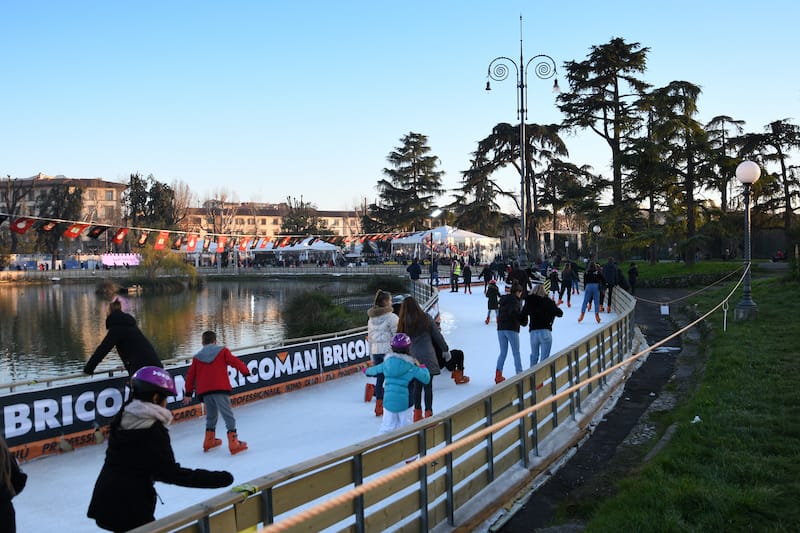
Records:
x=268, y=99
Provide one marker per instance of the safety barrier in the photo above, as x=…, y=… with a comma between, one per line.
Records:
x=459, y=454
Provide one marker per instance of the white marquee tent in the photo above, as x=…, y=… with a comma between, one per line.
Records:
x=448, y=241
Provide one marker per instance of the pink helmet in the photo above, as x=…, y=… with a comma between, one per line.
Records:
x=401, y=341
x=155, y=379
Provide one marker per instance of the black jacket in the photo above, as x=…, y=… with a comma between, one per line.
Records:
x=124, y=496
x=132, y=346
x=18, y=480
x=542, y=312
x=510, y=315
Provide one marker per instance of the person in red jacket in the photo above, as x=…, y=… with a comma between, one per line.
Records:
x=208, y=376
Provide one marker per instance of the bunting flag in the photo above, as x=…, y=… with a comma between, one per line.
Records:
x=206, y=243
x=46, y=226
x=254, y=243
x=176, y=244
x=21, y=225
x=119, y=236
x=283, y=242
x=75, y=230
x=161, y=240
x=232, y=243
x=142, y=238
x=264, y=243
x=3, y=219
x=221, y=240
x=243, y=242
x=96, y=231
x=191, y=242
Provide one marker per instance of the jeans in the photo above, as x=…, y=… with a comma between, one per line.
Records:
x=591, y=293
x=218, y=403
x=506, y=337
x=541, y=341
x=377, y=358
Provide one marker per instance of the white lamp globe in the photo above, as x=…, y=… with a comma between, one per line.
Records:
x=748, y=172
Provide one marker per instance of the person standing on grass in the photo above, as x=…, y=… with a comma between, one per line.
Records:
x=509, y=319
x=540, y=312
x=381, y=327
x=208, y=376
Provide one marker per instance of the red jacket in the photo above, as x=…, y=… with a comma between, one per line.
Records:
x=209, y=370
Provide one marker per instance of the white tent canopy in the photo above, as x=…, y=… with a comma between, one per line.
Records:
x=448, y=241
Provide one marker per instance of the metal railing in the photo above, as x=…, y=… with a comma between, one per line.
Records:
x=461, y=451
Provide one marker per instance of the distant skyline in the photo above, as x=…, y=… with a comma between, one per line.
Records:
x=267, y=100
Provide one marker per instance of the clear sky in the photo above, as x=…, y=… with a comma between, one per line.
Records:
x=269, y=99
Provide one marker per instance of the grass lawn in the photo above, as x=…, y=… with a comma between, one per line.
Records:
x=739, y=468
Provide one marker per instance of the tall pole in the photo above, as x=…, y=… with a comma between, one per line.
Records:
x=498, y=70
x=748, y=173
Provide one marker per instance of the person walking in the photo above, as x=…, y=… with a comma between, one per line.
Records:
x=416, y=323
x=610, y=271
x=591, y=291
x=467, y=273
x=487, y=275
x=139, y=453
x=12, y=482
x=414, y=270
x=509, y=319
x=208, y=377
x=399, y=369
x=132, y=346
x=493, y=300
x=540, y=312
x=381, y=327
x=567, y=276
x=633, y=275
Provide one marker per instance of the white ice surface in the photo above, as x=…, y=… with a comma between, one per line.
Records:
x=286, y=429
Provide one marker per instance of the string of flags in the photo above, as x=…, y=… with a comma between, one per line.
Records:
x=177, y=239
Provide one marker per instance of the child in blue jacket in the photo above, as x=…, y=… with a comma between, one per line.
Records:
x=399, y=369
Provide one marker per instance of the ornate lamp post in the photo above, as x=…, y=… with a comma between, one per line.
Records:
x=434, y=214
x=498, y=70
x=747, y=173
x=596, y=230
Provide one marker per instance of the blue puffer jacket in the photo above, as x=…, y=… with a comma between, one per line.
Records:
x=398, y=369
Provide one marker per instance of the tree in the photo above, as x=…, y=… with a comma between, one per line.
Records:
x=721, y=130
x=475, y=206
x=60, y=202
x=774, y=146
x=598, y=99
x=12, y=194
x=301, y=219
x=408, y=194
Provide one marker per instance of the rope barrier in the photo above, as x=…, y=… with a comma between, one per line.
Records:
x=355, y=492
x=645, y=300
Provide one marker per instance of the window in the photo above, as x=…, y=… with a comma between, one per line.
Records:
x=92, y=194
x=263, y=222
x=275, y=222
x=239, y=222
x=110, y=195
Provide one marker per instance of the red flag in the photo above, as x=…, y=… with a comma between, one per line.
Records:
x=47, y=226
x=161, y=240
x=243, y=242
x=191, y=242
x=176, y=244
x=119, y=236
x=142, y=238
x=21, y=225
x=264, y=242
x=221, y=240
x=75, y=230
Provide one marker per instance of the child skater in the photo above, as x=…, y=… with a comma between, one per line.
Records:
x=139, y=454
x=209, y=371
x=493, y=294
x=398, y=368
x=554, y=283
x=12, y=481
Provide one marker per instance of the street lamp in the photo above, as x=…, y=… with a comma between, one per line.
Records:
x=747, y=173
x=596, y=229
x=498, y=70
x=434, y=215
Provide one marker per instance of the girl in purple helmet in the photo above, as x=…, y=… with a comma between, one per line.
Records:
x=140, y=453
x=398, y=369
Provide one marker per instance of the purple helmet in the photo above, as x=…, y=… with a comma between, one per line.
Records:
x=401, y=341
x=155, y=379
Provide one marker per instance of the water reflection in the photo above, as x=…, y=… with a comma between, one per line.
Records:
x=51, y=330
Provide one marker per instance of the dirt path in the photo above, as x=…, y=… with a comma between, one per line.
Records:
x=616, y=446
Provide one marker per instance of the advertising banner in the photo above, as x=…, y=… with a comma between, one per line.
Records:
x=53, y=419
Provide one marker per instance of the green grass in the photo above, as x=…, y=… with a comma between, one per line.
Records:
x=653, y=274
x=738, y=469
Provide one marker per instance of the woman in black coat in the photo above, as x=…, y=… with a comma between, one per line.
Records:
x=123, y=334
x=140, y=453
x=12, y=481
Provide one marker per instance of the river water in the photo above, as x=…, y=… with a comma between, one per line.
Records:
x=51, y=330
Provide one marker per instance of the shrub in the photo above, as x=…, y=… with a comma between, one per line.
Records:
x=312, y=313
